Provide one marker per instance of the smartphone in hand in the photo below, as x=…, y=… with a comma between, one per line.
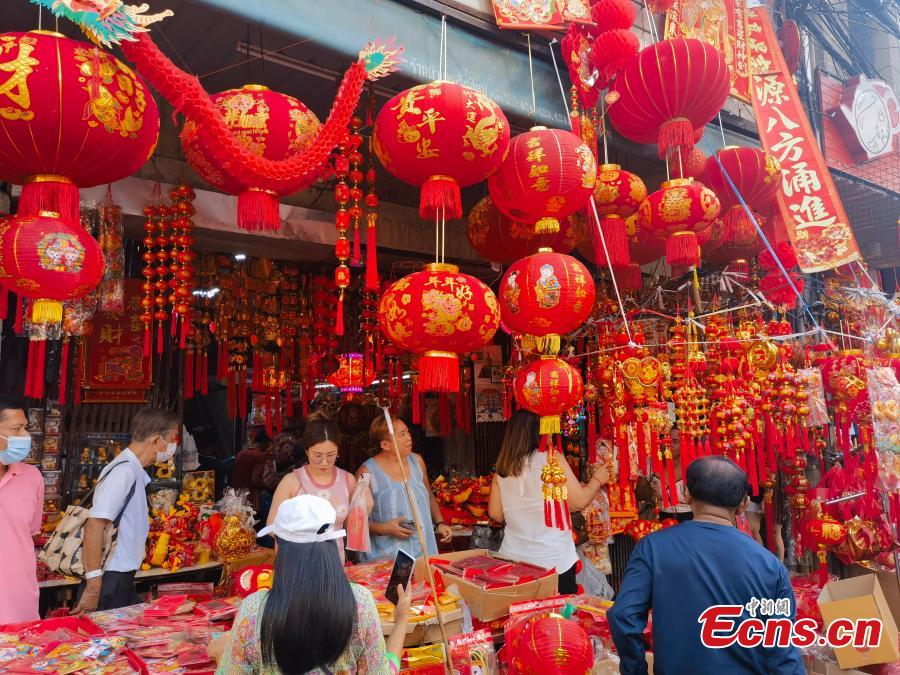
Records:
x=400, y=575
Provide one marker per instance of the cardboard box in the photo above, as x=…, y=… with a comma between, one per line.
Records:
x=889, y=586
x=860, y=598
x=815, y=666
x=423, y=632
x=490, y=604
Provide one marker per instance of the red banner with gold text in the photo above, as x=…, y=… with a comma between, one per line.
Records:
x=809, y=203
x=540, y=14
x=721, y=23
x=115, y=369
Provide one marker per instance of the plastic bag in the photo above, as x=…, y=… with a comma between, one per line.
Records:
x=473, y=654
x=592, y=580
x=357, y=524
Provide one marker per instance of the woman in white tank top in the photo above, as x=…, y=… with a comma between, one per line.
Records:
x=516, y=500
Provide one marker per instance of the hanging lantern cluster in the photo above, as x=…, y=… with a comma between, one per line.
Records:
x=181, y=255
x=354, y=373
x=614, y=43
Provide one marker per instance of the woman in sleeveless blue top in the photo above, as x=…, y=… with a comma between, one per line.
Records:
x=391, y=506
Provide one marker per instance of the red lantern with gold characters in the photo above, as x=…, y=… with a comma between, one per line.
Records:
x=676, y=212
x=267, y=123
x=823, y=531
x=72, y=116
x=439, y=313
x=548, y=174
x=617, y=194
x=441, y=137
x=546, y=295
x=500, y=239
x=353, y=374
x=551, y=645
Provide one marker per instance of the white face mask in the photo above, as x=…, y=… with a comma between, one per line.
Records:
x=167, y=454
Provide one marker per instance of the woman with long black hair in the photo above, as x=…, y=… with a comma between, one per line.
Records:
x=312, y=620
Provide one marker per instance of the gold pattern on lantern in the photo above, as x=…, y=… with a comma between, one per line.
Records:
x=675, y=206
x=16, y=87
x=111, y=106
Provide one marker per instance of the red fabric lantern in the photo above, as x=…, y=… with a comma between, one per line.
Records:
x=73, y=116
x=691, y=165
x=353, y=373
x=617, y=194
x=441, y=137
x=786, y=256
x=824, y=532
x=548, y=386
x=269, y=124
x=499, y=239
x=613, y=14
x=548, y=175
x=667, y=92
x=675, y=213
x=552, y=645
x=546, y=295
x=439, y=313
x=746, y=243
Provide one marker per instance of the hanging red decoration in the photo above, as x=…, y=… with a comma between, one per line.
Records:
x=629, y=278
x=667, y=92
x=785, y=254
x=691, y=165
x=824, y=532
x=546, y=295
x=74, y=116
x=354, y=373
x=548, y=175
x=612, y=50
x=618, y=194
x=777, y=288
x=551, y=645
x=613, y=14
x=356, y=177
x=181, y=265
x=576, y=51
x=500, y=239
x=441, y=137
x=439, y=313
x=675, y=212
x=789, y=36
x=266, y=123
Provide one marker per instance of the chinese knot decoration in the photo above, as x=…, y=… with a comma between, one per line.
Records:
x=617, y=195
x=441, y=137
x=439, y=313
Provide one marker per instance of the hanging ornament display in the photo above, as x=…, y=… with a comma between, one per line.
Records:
x=112, y=287
x=354, y=373
x=181, y=257
x=617, y=195
x=439, y=313
x=441, y=137
x=576, y=51
x=548, y=175
x=342, y=220
x=356, y=178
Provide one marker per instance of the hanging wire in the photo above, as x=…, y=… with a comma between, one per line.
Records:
x=562, y=90
x=651, y=24
x=722, y=129
x=531, y=76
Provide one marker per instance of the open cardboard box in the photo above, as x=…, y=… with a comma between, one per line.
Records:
x=889, y=586
x=860, y=598
x=490, y=604
x=420, y=632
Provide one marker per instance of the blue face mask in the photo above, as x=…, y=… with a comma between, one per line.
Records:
x=17, y=449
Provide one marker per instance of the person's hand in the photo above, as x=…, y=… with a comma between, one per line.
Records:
x=600, y=474
x=445, y=532
x=404, y=601
x=393, y=528
x=90, y=598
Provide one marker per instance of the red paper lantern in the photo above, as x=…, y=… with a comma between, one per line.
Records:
x=824, y=532
x=617, y=194
x=267, y=123
x=667, y=92
x=441, y=137
x=48, y=260
x=548, y=386
x=548, y=175
x=73, y=116
x=499, y=239
x=353, y=373
x=675, y=212
x=691, y=165
x=439, y=313
x=612, y=50
x=552, y=645
x=546, y=295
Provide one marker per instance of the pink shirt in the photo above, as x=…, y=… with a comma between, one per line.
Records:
x=337, y=492
x=21, y=509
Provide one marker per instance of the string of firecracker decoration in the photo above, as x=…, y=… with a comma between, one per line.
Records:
x=342, y=221
x=356, y=177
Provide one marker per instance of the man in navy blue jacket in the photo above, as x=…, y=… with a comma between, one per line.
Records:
x=681, y=571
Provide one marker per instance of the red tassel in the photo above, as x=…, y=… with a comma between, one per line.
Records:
x=20, y=315
x=339, y=322
x=440, y=197
x=372, y=282
x=438, y=371
x=624, y=459
x=57, y=196
x=198, y=369
x=548, y=513
x=674, y=133
x=737, y=226
x=147, y=342
x=258, y=210
x=79, y=371
x=558, y=512
x=173, y=326
x=63, y=371
x=641, y=447
x=188, y=374
x=159, y=337
x=416, y=403
x=616, y=238
x=682, y=249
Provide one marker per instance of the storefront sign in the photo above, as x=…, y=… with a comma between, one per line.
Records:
x=721, y=23
x=115, y=368
x=812, y=211
x=868, y=118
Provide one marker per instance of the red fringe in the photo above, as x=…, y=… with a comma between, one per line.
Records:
x=682, y=249
x=173, y=326
x=558, y=512
x=438, y=373
x=258, y=211
x=674, y=133
x=61, y=198
x=737, y=226
x=372, y=281
x=629, y=278
x=624, y=458
x=148, y=347
x=416, y=403
x=548, y=513
x=339, y=322
x=63, y=371
x=440, y=197
x=616, y=238
x=641, y=447
x=4, y=303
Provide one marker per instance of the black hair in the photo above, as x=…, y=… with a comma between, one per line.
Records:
x=717, y=481
x=10, y=403
x=310, y=611
x=319, y=429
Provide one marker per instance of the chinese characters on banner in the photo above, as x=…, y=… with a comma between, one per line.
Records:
x=809, y=204
x=720, y=23
x=540, y=14
x=115, y=368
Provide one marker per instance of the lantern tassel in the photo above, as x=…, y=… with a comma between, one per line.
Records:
x=63, y=371
x=438, y=371
x=50, y=193
x=372, y=282
x=446, y=423
x=675, y=133
x=147, y=341
x=46, y=311
x=339, y=321
x=259, y=210
x=440, y=196
x=615, y=235
x=159, y=337
x=682, y=249
x=549, y=425
x=737, y=226
x=546, y=225
x=549, y=344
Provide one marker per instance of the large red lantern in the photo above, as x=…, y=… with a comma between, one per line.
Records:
x=548, y=175
x=667, y=92
x=552, y=645
x=268, y=124
x=500, y=239
x=439, y=313
x=676, y=212
x=617, y=194
x=546, y=295
x=71, y=115
x=441, y=137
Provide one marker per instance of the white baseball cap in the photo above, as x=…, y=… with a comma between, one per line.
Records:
x=304, y=519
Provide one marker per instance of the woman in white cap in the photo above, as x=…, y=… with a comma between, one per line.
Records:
x=312, y=620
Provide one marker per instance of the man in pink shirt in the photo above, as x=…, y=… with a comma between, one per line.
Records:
x=21, y=506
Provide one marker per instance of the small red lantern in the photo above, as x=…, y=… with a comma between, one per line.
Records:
x=499, y=239
x=667, y=92
x=552, y=645
x=675, y=212
x=546, y=295
x=617, y=194
x=441, y=137
x=688, y=166
x=439, y=313
x=73, y=116
x=353, y=374
x=825, y=532
x=272, y=125
x=548, y=174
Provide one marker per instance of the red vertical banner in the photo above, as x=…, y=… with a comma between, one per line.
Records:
x=722, y=24
x=808, y=202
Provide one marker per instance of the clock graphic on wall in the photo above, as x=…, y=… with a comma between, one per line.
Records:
x=868, y=118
